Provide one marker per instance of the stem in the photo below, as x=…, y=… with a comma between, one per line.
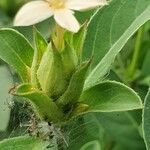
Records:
x=133, y=65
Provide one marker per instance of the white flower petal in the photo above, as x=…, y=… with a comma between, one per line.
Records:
x=66, y=19
x=32, y=13
x=85, y=4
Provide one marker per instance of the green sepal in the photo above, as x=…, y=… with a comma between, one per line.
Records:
x=51, y=73
x=74, y=90
x=42, y=104
x=40, y=45
x=69, y=59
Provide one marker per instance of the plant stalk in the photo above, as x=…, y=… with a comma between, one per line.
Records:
x=132, y=67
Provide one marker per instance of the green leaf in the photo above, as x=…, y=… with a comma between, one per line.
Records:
x=122, y=128
x=110, y=129
x=146, y=121
x=44, y=106
x=16, y=51
x=5, y=97
x=23, y=143
x=110, y=96
x=108, y=31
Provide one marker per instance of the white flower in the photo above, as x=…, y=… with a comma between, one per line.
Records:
x=62, y=10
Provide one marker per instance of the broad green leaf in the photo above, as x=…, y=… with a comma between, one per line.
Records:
x=44, y=106
x=23, y=143
x=110, y=96
x=5, y=98
x=122, y=129
x=108, y=31
x=16, y=51
x=146, y=121
x=110, y=129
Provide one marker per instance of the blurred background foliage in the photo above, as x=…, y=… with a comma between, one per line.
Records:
x=121, y=131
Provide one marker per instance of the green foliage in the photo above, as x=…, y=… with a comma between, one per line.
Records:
x=17, y=52
x=110, y=96
x=66, y=84
x=22, y=143
x=108, y=31
x=146, y=121
x=123, y=130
